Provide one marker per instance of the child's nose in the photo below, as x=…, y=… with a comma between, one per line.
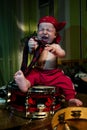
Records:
x=45, y=31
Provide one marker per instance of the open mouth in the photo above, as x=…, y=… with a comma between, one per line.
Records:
x=44, y=38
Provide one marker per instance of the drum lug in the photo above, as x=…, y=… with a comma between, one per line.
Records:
x=41, y=107
x=8, y=100
x=27, y=114
x=52, y=112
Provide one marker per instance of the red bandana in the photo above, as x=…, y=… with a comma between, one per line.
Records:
x=50, y=19
x=57, y=25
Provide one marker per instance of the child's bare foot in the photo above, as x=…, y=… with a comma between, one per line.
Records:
x=21, y=81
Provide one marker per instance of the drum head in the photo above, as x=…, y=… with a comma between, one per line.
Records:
x=70, y=118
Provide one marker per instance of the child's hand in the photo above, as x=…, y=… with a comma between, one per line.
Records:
x=50, y=48
x=55, y=49
x=32, y=44
x=75, y=102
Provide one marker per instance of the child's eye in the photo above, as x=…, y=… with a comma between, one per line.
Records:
x=41, y=30
x=48, y=30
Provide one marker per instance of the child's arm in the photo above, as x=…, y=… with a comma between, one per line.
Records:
x=56, y=49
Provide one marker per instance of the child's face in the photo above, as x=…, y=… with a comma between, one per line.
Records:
x=46, y=32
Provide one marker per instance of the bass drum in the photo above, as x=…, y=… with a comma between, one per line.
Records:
x=70, y=118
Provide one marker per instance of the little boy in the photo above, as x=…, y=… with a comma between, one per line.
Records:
x=46, y=71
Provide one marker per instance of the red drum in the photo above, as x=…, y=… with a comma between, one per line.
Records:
x=41, y=101
x=38, y=102
x=16, y=100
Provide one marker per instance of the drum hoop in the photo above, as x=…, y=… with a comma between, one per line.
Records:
x=43, y=86
x=42, y=89
x=68, y=115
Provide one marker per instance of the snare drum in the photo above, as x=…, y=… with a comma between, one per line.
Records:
x=70, y=118
x=41, y=101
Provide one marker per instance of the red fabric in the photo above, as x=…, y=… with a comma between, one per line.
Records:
x=54, y=78
x=51, y=19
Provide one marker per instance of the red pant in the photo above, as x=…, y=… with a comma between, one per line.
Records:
x=55, y=77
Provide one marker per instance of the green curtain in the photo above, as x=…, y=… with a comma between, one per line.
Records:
x=17, y=19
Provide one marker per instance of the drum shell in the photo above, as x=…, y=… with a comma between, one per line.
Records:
x=42, y=95
x=42, y=101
